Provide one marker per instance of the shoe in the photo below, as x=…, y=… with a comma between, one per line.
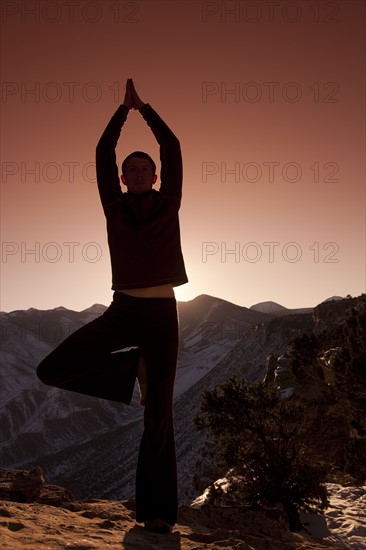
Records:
x=158, y=526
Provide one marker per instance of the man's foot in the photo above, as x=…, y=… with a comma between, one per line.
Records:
x=158, y=526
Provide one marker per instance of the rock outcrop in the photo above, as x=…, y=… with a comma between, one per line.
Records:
x=54, y=519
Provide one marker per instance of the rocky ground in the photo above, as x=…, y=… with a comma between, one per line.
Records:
x=56, y=521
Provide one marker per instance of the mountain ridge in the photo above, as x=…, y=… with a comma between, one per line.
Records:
x=61, y=430
x=96, y=306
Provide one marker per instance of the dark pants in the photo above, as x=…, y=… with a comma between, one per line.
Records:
x=84, y=363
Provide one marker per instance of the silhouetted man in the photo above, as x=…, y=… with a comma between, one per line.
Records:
x=147, y=262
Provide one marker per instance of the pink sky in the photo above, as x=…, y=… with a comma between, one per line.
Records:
x=268, y=101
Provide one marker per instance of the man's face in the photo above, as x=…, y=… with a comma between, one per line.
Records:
x=139, y=175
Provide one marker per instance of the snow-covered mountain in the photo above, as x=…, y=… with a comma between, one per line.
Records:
x=209, y=329
x=90, y=445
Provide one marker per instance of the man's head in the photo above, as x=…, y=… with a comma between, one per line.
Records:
x=138, y=172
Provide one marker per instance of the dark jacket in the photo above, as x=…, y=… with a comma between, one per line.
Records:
x=143, y=229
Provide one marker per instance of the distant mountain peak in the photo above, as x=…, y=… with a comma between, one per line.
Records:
x=333, y=299
x=206, y=298
x=95, y=309
x=268, y=307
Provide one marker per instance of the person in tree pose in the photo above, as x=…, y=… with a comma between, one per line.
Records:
x=137, y=336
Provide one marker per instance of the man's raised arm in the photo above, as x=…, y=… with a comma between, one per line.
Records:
x=171, y=174
x=106, y=166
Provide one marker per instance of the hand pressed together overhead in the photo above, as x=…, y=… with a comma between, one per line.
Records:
x=132, y=99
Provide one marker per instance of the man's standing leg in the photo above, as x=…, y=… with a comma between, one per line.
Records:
x=156, y=477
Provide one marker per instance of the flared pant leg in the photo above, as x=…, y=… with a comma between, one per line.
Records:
x=156, y=476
